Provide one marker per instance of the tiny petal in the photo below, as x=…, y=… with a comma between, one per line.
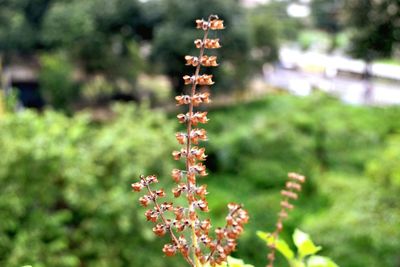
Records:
x=176, y=175
x=297, y=177
x=293, y=185
x=209, y=61
x=137, y=186
x=182, y=99
x=181, y=138
x=286, y=205
x=159, y=229
x=210, y=43
x=169, y=250
x=198, y=43
x=289, y=194
x=193, y=61
x=177, y=155
x=151, y=179
x=217, y=24
x=144, y=200
x=182, y=118
x=159, y=193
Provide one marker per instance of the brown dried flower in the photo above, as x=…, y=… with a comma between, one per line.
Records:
x=201, y=248
x=293, y=184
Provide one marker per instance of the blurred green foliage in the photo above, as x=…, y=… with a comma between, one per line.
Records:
x=337, y=147
x=374, y=28
x=65, y=194
x=125, y=38
x=66, y=200
x=55, y=79
x=175, y=35
x=326, y=15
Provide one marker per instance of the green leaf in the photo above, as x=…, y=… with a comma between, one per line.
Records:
x=281, y=245
x=304, y=244
x=232, y=262
x=297, y=263
x=320, y=261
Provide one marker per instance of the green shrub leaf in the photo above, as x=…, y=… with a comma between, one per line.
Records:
x=304, y=244
x=281, y=245
x=232, y=262
x=320, y=261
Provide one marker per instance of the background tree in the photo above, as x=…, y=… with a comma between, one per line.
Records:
x=175, y=35
x=325, y=15
x=374, y=25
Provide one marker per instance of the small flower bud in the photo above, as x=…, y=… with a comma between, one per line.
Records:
x=152, y=215
x=202, y=24
x=159, y=193
x=169, y=250
x=188, y=79
x=199, y=169
x=159, y=229
x=217, y=24
x=179, y=212
x=209, y=61
x=271, y=256
x=289, y=194
x=205, y=239
x=220, y=233
x=176, y=175
x=205, y=225
x=182, y=99
x=199, y=117
x=210, y=43
x=204, y=79
x=201, y=204
x=279, y=226
x=201, y=191
x=286, y=205
x=198, y=43
x=182, y=118
x=198, y=134
x=181, y=137
x=151, y=179
x=283, y=214
x=293, y=185
x=201, y=98
x=177, y=192
x=193, y=61
x=166, y=206
x=297, y=177
x=137, y=186
x=145, y=200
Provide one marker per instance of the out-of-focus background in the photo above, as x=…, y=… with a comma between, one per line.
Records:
x=87, y=106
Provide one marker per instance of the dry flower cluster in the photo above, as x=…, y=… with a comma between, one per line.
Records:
x=290, y=192
x=190, y=234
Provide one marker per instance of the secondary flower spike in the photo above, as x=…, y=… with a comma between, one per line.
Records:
x=189, y=232
x=292, y=188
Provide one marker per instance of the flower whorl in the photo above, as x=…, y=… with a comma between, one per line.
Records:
x=196, y=244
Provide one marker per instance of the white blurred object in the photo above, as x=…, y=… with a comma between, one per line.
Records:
x=300, y=87
x=298, y=11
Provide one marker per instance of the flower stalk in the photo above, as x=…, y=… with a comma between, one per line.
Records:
x=189, y=233
x=290, y=192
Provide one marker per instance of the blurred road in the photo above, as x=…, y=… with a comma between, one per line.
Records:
x=350, y=90
x=300, y=73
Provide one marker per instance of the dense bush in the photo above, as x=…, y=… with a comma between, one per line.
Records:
x=351, y=215
x=65, y=194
